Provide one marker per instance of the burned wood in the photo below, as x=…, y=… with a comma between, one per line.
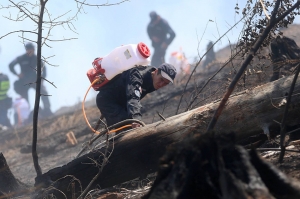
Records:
x=214, y=167
x=137, y=152
x=9, y=185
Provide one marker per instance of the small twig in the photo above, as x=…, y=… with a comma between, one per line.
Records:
x=21, y=10
x=52, y=83
x=105, y=160
x=160, y=115
x=17, y=32
x=198, y=63
x=45, y=95
x=98, y=5
x=209, y=79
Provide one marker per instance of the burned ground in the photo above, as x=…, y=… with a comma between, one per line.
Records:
x=54, y=150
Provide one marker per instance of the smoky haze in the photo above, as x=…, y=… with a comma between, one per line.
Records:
x=102, y=29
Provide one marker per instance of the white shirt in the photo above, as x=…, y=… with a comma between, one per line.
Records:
x=22, y=109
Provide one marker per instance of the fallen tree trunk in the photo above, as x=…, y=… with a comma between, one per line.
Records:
x=137, y=153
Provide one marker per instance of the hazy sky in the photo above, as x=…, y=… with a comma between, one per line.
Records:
x=102, y=29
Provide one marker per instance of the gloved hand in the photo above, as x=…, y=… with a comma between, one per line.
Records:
x=135, y=125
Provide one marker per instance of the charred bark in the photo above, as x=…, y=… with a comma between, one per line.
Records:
x=137, y=153
x=214, y=167
x=9, y=185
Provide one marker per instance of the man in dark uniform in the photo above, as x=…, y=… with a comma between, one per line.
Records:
x=27, y=76
x=161, y=35
x=119, y=99
x=5, y=101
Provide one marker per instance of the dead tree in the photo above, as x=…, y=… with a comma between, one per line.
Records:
x=35, y=12
x=44, y=23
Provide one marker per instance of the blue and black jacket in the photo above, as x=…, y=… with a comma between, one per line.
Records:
x=120, y=98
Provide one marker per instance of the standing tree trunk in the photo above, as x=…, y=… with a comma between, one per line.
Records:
x=38, y=90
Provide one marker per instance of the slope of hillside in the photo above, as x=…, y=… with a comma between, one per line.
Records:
x=54, y=150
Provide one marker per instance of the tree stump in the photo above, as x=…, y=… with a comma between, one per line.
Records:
x=9, y=185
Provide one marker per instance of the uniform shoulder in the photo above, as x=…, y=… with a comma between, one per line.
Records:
x=163, y=21
x=140, y=67
x=24, y=56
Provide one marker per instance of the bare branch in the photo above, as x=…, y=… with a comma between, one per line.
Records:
x=201, y=60
x=52, y=83
x=22, y=31
x=246, y=62
x=97, y=5
x=209, y=79
x=21, y=10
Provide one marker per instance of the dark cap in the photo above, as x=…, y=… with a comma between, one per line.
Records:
x=153, y=15
x=168, y=71
x=29, y=46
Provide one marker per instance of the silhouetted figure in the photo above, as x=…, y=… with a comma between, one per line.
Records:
x=5, y=101
x=283, y=49
x=210, y=56
x=27, y=76
x=161, y=35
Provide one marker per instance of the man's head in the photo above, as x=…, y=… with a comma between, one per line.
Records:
x=153, y=15
x=29, y=49
x=163, y=75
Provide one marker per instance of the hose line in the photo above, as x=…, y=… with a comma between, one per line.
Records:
x=116, y=127
x=83, y=110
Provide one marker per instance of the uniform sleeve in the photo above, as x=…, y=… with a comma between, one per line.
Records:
x=133, y=93
x=171, y=33
x=12, y=65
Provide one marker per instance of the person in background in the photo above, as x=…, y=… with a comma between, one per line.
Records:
x=180, y=62
x=161, y=35
x=5, y=101
x=119, y=99
x=22, y=111
x=27, y=76
x=210, y=56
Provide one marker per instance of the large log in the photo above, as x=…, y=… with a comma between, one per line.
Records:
x=137, y=153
